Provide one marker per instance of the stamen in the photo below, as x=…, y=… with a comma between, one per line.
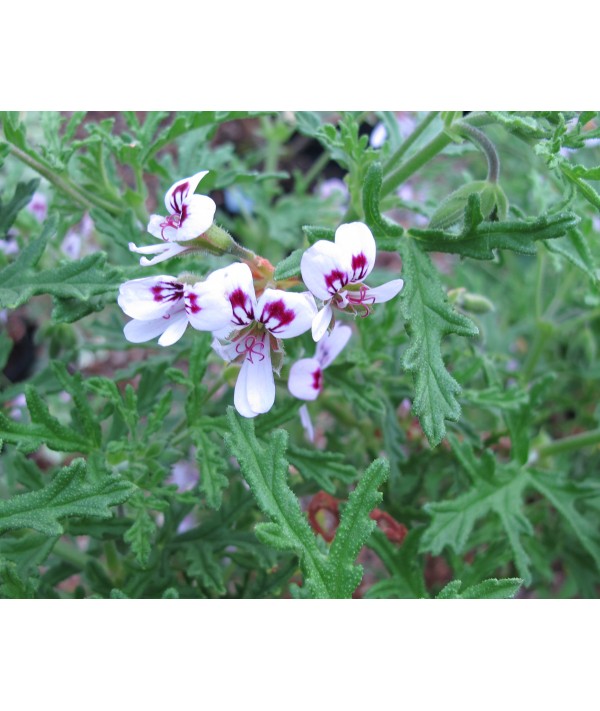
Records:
x=170, y=221
x=251, y=346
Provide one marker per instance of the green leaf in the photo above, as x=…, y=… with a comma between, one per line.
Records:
x=265, y=469
x=491, y=589
x=84, y=418
x=525, y=126
x=321, y=467
x=479, y=238
x=496, y=490
x=43, y=429
x=429, y=318
x=71, y=493
x=580, y=171
x=28, y=551
x=564, y=495
x=140, y=536
x=575, y=249
x=82, y=279
x=22, y=197
x=203, y=566
x=212, y=467
x=314, y=233
x=289, y=267
x=385, y=231
x=355, y=528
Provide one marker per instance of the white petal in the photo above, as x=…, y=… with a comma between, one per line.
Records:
x=329, y=347
x=286, y=314
x=175, y=329
x=305, y=379
x=323, y=268
x=235, y=284
x=358, y=245
x=197, y=216
x=170, y=249
x=150, y=297
x=385, y=292
x=181, y=190
x=227, y=351
x=307, y=423
x=151, y=249
x=321, y=321
x=160, y=228
x=255, y=386
x=207, y=309
x=142, y=331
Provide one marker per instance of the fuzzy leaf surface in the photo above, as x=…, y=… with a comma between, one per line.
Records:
x=71, y=493
x=355, y=528
x=479, y=238
x=429, y=317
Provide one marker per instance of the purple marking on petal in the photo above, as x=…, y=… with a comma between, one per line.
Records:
x=241, y=305
x=317, y=381
x=167, y=291
x=276, y=311
x=359, y=264
x=177, y=196
x=335, y=275
x=191, y=303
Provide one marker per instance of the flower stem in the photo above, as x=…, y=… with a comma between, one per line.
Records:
x=81, y=197
x=568, y=444
x=429, y=151
x=410, y=140
x=487, y=147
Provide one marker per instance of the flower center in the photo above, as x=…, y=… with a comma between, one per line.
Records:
x=355, y=301
x=172, y=221
x=251, y=346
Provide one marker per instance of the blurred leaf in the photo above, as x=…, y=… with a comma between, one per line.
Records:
x=491, y=589
x=20, y=199
x=321, y=467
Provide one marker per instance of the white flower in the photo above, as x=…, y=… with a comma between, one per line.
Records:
x=163, y=306
x=334, y=272
x=189, y=217
x=253, y=328
x=306, y=375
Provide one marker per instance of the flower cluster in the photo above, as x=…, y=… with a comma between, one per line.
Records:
x=248, y=327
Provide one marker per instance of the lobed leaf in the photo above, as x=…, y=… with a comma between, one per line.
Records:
x=355, y=528
x=479, y=238
x=71, y=493
x=491, y=589
x=429, y=318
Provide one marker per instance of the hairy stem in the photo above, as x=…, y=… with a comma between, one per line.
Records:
x=487, y=147
x=81, y=197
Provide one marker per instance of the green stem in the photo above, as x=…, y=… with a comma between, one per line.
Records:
x=410, y=140
x=543, y=334
x=303, y=184
x=413, y=164
x=81, y=197
x=487, y=147
x=429, y=151
x=568, y=444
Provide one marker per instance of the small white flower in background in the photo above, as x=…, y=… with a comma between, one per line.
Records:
x=184, y=475
x=253, y=329
x=306, y=375
x=9, y=246
x=76, y=237
x=38, y=206
x=307, y=423
x=334, y=272
x=163, y=306
x=378, y=136
x=190, y=215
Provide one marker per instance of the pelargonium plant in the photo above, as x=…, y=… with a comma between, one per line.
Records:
x=356, y=357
